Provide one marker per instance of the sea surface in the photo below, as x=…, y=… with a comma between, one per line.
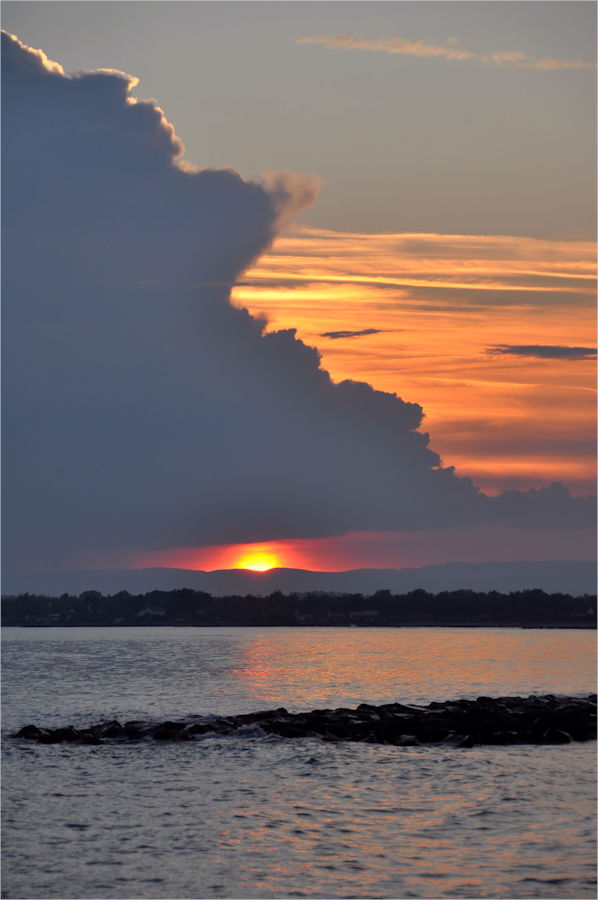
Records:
x=255, y=816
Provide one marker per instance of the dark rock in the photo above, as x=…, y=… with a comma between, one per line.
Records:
x=538, y=729
x=458, y=740
x=31, y=732
x=407, y=740
x=69, y=734
x=318, y=724
x=132, y=731
x=290, y=731
x=107, y=729
x=255, y=717
x=171, y=731
x=197, y=728
x=58, y=735
x=164, y=734
x=339, y=732
x=556, y=736
x=49, y=737
x=458, y=723
x=580, y=732
x=501, y=738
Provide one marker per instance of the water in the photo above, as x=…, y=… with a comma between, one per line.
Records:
x=254, y=816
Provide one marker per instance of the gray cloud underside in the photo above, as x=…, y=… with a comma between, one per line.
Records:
x=543, y=351
x=335, y=335
x=140, y=408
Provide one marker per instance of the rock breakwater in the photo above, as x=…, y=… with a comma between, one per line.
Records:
x=459, y=723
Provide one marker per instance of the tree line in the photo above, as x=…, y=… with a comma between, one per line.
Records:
x=189, y=607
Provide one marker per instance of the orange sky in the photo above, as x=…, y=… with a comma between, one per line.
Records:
x=439, y=302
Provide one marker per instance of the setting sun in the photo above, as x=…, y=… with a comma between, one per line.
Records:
x=258, y=561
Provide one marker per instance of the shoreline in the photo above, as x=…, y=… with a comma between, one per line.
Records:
x=546, y=626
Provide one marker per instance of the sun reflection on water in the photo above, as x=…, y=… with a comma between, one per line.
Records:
x=312, y=667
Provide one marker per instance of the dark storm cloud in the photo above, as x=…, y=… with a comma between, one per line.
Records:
x=540, y=351
x=141, y=410
x=536, y=508
x=335, y=335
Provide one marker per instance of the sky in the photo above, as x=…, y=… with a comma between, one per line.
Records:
x=313, y=284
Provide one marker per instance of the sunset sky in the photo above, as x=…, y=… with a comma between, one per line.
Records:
x=415, y=198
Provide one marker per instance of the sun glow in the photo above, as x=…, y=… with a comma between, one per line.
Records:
x=257, y=561
x=381, y=550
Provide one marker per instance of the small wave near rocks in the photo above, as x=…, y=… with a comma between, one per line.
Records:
x=544, y=719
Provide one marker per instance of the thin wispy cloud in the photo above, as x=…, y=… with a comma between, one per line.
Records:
x=539, y=351
x=490, y=264
x=335, y=335
x=399, y=45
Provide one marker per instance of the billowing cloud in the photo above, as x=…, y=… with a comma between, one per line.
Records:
x=543, y=352
x=399, y=45
x=290, y=192
x=141, y=409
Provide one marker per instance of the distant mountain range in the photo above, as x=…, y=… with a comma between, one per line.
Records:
x=575, y=578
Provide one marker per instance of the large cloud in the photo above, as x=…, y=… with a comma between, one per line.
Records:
x=142, y=410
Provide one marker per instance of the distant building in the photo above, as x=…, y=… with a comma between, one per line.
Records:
x=365, y=614
x=151, y=611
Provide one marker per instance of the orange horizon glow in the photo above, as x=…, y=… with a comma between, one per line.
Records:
x=382, y=550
